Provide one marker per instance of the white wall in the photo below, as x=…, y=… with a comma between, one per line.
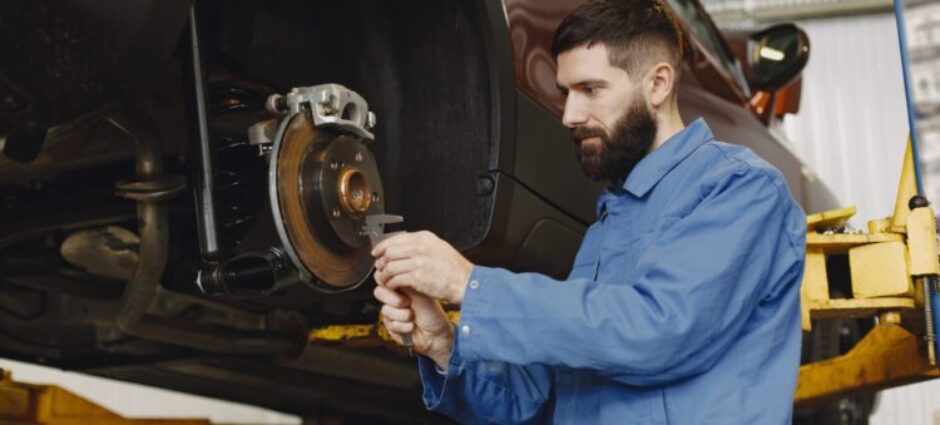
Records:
x=852, y=126
x=138, y=401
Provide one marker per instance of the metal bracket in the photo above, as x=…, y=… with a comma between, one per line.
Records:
x=263, y=133
x=330, y=105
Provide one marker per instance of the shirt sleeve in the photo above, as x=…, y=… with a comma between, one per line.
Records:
x=487, y=392
x=671, y=317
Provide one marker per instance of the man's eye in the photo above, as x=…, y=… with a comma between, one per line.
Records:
x=591, y=91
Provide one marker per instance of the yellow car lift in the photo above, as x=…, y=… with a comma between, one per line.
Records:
x=889, y=265
x=24, y=404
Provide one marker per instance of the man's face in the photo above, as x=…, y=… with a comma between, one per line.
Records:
x=608, y=114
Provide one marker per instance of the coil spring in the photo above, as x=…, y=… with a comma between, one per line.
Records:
x=239, y=173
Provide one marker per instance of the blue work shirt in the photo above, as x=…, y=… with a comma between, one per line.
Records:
x=682, y=307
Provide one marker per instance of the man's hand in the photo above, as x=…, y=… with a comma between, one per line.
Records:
x=422, y=317
x=423, y=262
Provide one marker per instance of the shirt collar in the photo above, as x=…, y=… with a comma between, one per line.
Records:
x=654, y=166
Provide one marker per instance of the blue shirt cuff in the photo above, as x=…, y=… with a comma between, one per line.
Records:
x=435, y=382
x=476, y=302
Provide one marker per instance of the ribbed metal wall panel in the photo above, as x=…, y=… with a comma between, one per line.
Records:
x=852, y=127
x=923, y=34
x=742, y=13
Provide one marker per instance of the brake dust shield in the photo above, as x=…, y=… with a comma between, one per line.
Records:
x=323, y=183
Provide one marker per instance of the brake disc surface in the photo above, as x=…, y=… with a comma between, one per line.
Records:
x=323, y=183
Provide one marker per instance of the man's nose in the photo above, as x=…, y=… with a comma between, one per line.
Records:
x=574, y=114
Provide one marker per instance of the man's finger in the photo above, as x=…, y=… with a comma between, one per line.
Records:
x=399, y=327
x=399, y=314
x=402, y=280
x=389, y=297
x=397, y=267
x=380, y=277
x=397, y=337
x=402, y=251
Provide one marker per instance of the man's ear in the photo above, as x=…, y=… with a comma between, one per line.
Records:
x=661, y=83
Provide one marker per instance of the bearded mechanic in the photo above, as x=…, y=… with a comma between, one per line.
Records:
x=683, y=303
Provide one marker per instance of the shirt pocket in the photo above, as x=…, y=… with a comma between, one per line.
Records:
x=651, y=236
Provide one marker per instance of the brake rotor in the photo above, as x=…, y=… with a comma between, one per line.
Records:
x=324, y=182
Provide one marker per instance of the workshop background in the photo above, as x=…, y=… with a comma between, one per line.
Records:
x=852, y=125
x=850, y=131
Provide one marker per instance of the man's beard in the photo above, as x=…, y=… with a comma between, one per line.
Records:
x=614, y=159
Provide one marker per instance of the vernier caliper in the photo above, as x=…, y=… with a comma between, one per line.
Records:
x=375, y=230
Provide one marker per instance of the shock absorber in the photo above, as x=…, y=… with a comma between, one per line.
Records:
x=239, y=192
x=239, y=172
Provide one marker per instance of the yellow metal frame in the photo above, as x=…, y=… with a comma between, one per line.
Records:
x=887, y=266
x=887, y=356
x=360, y=335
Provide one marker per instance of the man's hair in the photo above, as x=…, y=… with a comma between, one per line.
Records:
x=637, y=33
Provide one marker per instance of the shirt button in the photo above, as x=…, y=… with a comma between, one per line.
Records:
x=465, y=330
x=474, y=284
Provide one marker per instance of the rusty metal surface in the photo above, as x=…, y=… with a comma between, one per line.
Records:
x=355, y=191
x=322, y=216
